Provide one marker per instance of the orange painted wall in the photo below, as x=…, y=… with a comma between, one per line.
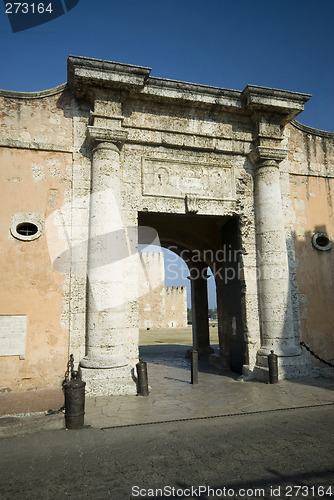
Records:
x=36, y=182
x=312, y=195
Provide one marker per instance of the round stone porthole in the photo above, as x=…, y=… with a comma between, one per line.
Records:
x=322, y=242
x=26, y=229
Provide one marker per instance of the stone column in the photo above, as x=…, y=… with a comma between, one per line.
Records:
x=221, y=359
x=276, y=316
x=107, y=364
x=199, y=305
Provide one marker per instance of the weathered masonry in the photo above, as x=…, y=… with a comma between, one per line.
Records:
x=226, y=178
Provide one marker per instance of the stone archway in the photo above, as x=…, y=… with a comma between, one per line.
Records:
x=203, y=154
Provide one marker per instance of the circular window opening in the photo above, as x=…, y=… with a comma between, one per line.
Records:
x=321, y=241
x=27, y=229
x=24, y=229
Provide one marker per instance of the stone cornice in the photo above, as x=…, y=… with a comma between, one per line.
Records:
x=163, y=89
x=12, y=94
x=88, y=76
x=97, y=135
x=312, y=131
x=261, y=154
x=85, y=73
x=263, y=99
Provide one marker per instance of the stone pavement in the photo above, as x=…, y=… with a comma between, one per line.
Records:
x=173, y=398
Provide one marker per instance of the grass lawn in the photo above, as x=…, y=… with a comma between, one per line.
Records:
x=173, y=336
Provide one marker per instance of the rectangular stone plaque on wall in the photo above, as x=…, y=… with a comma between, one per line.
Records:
x=13, y=335
x=176, y=179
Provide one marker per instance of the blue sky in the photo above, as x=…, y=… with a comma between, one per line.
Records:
x=284, y=44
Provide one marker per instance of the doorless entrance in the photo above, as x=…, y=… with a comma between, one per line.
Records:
x=209, y=242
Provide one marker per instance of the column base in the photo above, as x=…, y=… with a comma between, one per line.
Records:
x=284, y=351
x=111, y=361
x=110, y=381
x=288, y=367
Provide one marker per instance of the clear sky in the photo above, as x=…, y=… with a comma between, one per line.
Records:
x=285, y=44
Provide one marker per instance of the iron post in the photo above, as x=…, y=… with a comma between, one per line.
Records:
x=194, y=366
x=74, y=402
x=273, y=368
x=142, y=378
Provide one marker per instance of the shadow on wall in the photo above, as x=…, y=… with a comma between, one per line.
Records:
x=315, y=278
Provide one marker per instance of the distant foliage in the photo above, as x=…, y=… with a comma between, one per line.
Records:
x=212, y=314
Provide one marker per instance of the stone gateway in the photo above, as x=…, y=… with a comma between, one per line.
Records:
x=116, y=157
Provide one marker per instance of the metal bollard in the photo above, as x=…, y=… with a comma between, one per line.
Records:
x=273, y=368
x=194, y=367
x=142, y=378
x=74, y=402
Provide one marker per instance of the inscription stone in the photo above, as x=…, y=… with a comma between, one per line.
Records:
x=13, y=335
x=174, y=179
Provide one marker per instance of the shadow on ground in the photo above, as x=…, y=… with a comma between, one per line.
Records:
x=174, y=355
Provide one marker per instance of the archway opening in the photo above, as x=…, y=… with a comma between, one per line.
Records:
x=210, y=247
x=166, y=310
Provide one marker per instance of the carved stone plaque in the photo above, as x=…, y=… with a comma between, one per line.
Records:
x=13, y=335
x=176, y=179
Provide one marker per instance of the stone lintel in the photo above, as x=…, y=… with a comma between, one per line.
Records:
x=97, y=135
x=285, y=103
x=261, y=154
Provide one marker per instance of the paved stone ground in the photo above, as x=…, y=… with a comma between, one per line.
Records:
x=257, y=443
x=254, y=452
x=172, y=396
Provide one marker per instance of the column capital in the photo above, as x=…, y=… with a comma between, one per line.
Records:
x=98, y=135
x=261, y=155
